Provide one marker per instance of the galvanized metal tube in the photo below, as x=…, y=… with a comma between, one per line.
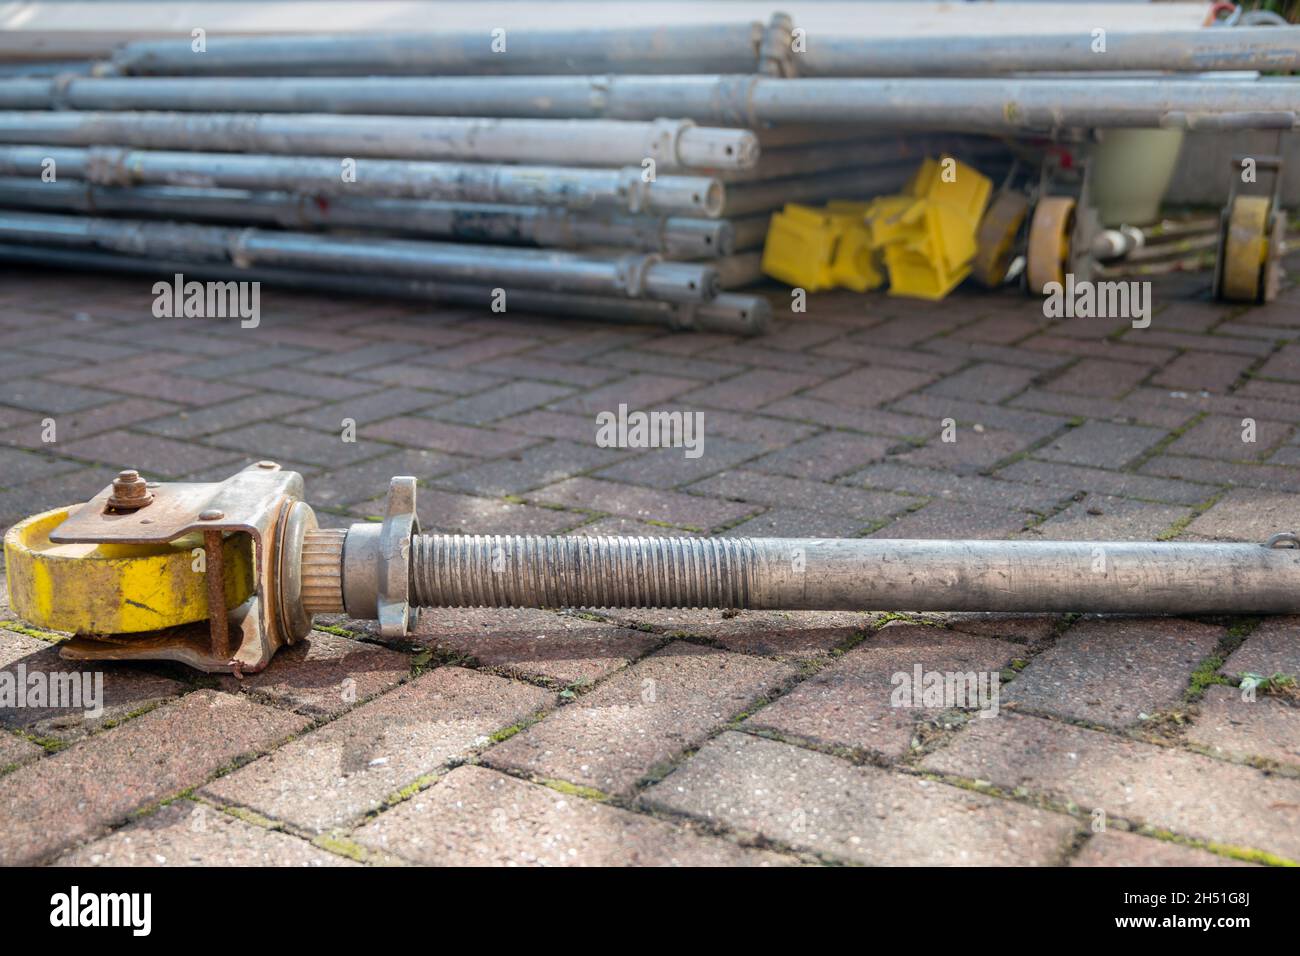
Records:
x=853, y=574
x=750, y=231
x=40, y=68
x=1194, y=51
x=658, y=49
x=573, y=188
x=806, y=161
x=726, y=313
x=720, y=47
x=672, y=144
x=1011, y=104
x=479, y=222
x=633, y=276
x=739, y=270
x=748, y=199
x=985, y=105
x=842, y=157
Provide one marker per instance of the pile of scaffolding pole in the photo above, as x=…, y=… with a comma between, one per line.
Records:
x=625, y=174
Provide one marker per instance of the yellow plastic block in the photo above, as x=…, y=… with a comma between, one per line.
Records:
x=857, y=264
x=925, y=237
x=928, y=245
x=818, y=249
x=951, y=233
x=894, y=219
x=913, y=274
x=963, y=187
x=800, y=246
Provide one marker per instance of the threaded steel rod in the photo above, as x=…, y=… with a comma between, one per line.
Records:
x=853, y=574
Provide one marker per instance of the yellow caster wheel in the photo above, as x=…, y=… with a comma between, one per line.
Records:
x=1049, y=242
x=996, y=238
x=1251, y=250
x=114, y=588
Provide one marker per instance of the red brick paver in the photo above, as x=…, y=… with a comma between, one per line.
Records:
x=334, y=775
x=185, y=833
x=819, y=803
x=477, y=817
x=56, y=801
x=1189, y=794
x=1114, y=672
x=1237, y=726
x=538, y=645
x=633, y=725
x=126, y=690
x=855, y=702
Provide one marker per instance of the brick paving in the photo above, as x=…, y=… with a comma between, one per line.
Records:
x=673, y=737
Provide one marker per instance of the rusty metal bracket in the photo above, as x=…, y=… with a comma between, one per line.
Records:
x=257, y=502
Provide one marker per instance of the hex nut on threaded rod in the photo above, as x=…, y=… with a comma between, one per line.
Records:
x=377, y=563
x=130, y=492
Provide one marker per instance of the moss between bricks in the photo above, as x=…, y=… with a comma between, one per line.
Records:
x=1207, y=672
x=574, y=789
x=888, y=617
x=1170, y=437
x=333, y=629
x=1247, y=854
x=50, y=637
x=1009, y=672
x=854, y=755
x=50, y=744
x=341, y=846
x=411, y=789
x=505, y=733
x=138, y=712
x=255, y=819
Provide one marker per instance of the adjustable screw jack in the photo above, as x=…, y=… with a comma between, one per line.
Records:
x=220, y=575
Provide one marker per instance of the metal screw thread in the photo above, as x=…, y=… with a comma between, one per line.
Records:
x=322, y=571
x=454, y=570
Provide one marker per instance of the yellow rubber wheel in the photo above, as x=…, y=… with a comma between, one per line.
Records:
x=1049, y=242
x=1246, y=249
x=1273, y=260
x=114, y=588
x=996, y=238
